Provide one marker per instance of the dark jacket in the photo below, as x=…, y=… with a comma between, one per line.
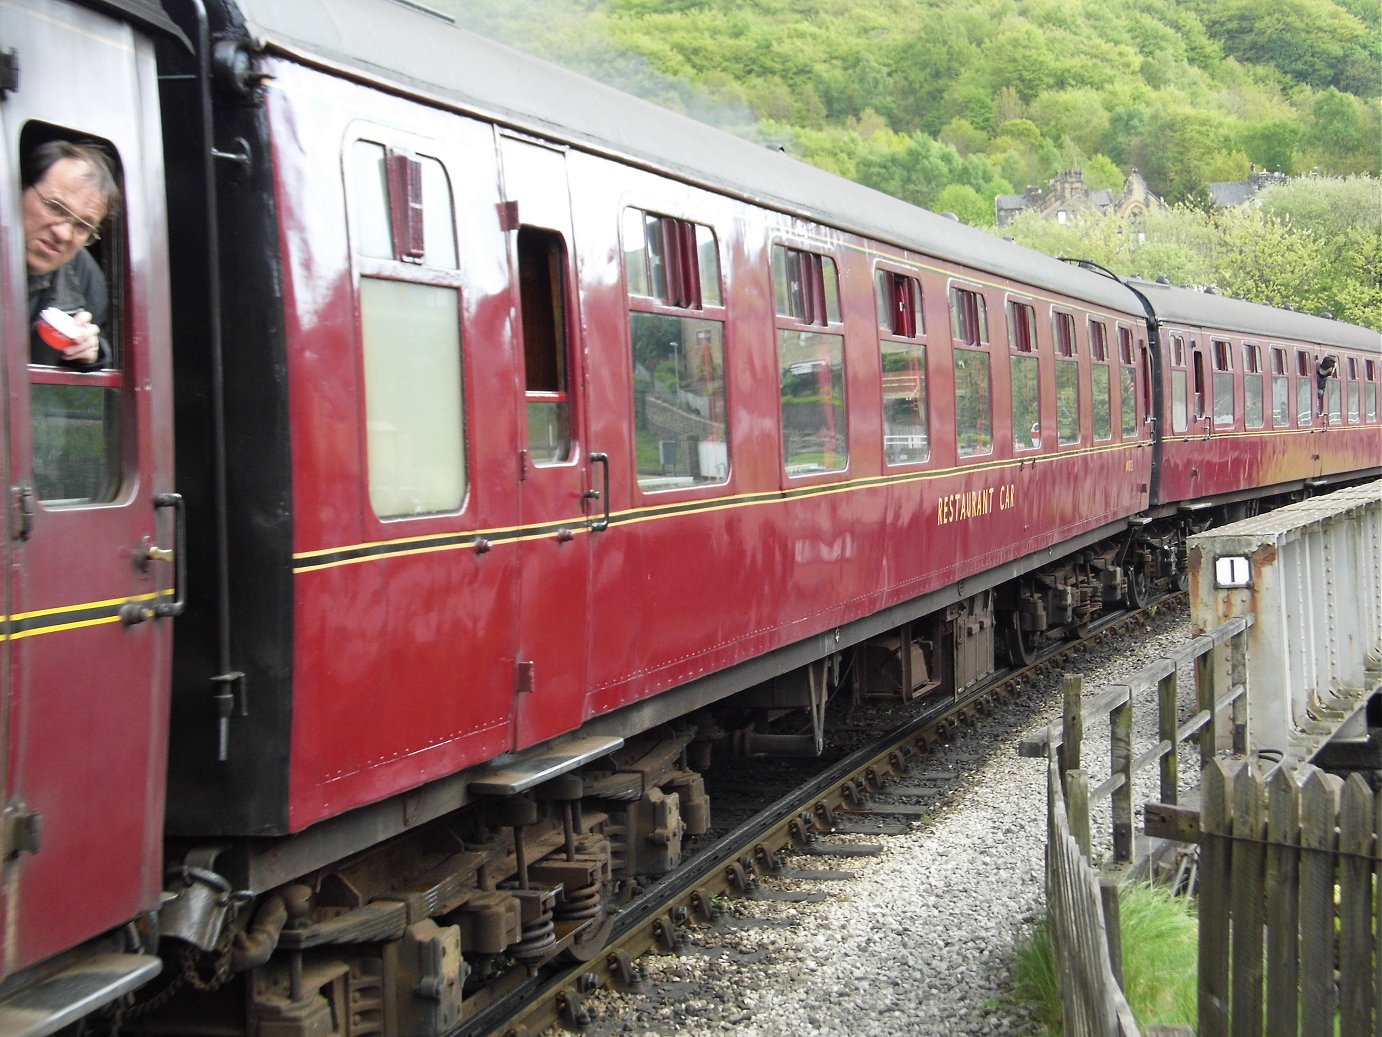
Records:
x=78, y=285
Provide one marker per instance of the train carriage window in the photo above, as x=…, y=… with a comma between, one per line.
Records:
x=1254, y=409
x=1180, y=386
x=811, y=362
x=77, y=409
x=1067, y=378
x=1281, y=381
x=1101, y=376
x=906, y=430
x=1334, y=398
x=1370, y=388
x=973, y=403
x=403, y=226
x=1223, y=384
x=1026, y=376
x=1355, y=392
x=1305, y=388
x=1127, y=382
x=969, y=322
x=677, y=331
x=542, y=299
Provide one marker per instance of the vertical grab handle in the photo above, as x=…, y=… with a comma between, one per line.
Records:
x=602, y=523
x=179, y=559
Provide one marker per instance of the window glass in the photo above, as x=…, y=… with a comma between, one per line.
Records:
x=1372, y=401
x=1334, y=401
x=899, y=304
x=906, y=435
x=811, y=369
x=1068, y=401
x=1128, y=388
x=1355, y=401
x=1102, y=398
x=1223, y=399
x=1180, y=391
x=76, y=442
x=373, y=236
x=1305, y=400
x=439, y=228
x=413, y=398
x=679, y=400
x=709, y=256
x=1026, y=402
x=1254, y=413
x=1281, y=401
x=636, y=252
x=973, y=403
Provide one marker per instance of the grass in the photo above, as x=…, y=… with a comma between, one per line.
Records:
x=1160, y=939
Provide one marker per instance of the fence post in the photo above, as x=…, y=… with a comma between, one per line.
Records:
x=1077, y=810
x=1167, y=690
x=1204, y=701
x=1318, y=807
x=1356, y=996
x=1214, y=889
x=1113, y=927
x=1283, y=903
x=1072, y=723
x=1120, y=763
x=1246, y=901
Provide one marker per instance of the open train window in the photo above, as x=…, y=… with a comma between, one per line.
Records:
x=1355, y=391
x=1254, y=409
x=899, y=304
x=546, y=390
x=806, y=287
x=969, y=323
x=811, y=363
x=1101, y=379
x=1026, y=379
x=1281, y=389
x=1305, y=387
x=902, y=359
x=677, y=330
x=70, y=195
x=1127, y=382
x=403, y=227
x=1067, y=378
x=1180, y=386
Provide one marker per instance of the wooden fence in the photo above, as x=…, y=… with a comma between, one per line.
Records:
x=1290, y=910
x=1092, y=1001
x=1081, y=907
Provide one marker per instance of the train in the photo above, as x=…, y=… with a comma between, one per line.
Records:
x=483, y=451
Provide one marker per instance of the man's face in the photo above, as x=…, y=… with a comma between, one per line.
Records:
x=65, y=194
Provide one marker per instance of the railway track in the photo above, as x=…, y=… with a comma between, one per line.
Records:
x=802, y=821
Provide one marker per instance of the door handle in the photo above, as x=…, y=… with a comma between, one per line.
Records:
x=178, y=555
x=602, y=523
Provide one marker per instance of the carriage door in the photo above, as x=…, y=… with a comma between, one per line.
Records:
x=553, y=470
x=90, y=524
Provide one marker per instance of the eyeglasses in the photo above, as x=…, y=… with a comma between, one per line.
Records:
x=82, y=228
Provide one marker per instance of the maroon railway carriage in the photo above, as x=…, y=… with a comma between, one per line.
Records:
x=1242, y=409
x=534, y=445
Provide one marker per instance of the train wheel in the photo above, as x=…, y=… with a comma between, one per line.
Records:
x=1137, y=588
x=1017, y=643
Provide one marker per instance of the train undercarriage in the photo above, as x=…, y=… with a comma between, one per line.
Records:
x=414, y=936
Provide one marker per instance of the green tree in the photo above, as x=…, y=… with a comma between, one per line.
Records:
x=968, y=204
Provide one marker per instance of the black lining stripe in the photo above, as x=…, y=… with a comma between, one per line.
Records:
x=50, y=621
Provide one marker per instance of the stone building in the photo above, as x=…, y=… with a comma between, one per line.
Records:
x=1067, y=197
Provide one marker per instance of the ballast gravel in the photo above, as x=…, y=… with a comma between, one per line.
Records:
x=920, y=941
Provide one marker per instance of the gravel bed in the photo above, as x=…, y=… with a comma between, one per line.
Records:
x=919, y=943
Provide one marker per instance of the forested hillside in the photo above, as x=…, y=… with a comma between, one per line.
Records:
x=949, y=103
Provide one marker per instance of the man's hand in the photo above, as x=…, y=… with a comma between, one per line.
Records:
x=87, y=345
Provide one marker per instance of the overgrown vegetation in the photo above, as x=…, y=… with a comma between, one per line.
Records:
x=1160, y=942
x=949, y=103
